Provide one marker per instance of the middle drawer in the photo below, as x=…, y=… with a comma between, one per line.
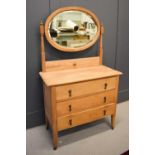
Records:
x=84, y=103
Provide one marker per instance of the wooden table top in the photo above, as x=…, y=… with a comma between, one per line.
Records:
x=67, y=76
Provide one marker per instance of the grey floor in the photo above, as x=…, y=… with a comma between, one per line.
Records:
x=96, y=138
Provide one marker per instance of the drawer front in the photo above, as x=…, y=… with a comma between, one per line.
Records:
x=85, y=117
x=84, y=88
x=84, y=103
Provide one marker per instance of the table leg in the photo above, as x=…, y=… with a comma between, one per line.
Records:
x=113, y=121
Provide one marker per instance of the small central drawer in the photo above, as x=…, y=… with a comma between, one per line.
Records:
x=85, y=117
x=80, y=104
x=84, y=88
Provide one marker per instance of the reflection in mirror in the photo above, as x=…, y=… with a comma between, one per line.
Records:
x=72, y=29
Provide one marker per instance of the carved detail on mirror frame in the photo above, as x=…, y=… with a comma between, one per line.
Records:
x=72, y=29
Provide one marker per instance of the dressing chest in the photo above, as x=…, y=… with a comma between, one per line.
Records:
x=76, y=91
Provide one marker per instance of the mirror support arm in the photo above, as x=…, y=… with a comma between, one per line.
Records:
x=42, y=32
x=101, y=46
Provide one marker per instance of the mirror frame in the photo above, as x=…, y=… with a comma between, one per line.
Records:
x=68, y=49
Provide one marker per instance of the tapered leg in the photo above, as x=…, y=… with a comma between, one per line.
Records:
x=113, y=121
x=55, y=138
x=46, y=122
x=54, y=118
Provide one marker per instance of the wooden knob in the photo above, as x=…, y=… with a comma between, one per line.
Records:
x=74, y=64
x=105, y=99
x=105, y=86
x=70, y=122
x=70, y=93
x=104, y=112
x=70, y=108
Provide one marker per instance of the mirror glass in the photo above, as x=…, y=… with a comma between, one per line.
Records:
x=72, y=29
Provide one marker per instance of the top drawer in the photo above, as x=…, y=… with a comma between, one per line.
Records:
x=84, y=88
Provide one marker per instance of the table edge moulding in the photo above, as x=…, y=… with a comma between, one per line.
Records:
x=76, y=91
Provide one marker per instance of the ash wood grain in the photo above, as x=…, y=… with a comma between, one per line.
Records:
x=42, y=47
x=84, y=117
x=77, y=75
x=101, y=44
x=54, y=118
x=113, y=116
x=84, y=103
x=71, y=64
x=47, y=104
x=84, y=88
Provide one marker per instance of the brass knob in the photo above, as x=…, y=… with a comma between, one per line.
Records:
x=70, y=93
x=105, y=99
x=70, y=122
x=105, y=86
x=70, y=108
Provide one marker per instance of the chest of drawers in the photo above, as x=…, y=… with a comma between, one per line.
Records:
x=76, y=91
x=77, y=96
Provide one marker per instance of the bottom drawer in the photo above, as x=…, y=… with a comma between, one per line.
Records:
x=85, y=117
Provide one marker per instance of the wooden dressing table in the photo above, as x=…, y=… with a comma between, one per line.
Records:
x=76, y=91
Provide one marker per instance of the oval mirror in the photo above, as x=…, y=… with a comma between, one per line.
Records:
x=72, y=29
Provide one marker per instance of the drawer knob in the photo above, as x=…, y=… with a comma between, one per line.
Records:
x=105, y=99
x=105, y=86
x=70, y=108
x=70, y=93
x=70, y=122
x=74, y=64
x=104, y=112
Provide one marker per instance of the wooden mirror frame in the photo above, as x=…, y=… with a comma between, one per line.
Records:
x=68, y=49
